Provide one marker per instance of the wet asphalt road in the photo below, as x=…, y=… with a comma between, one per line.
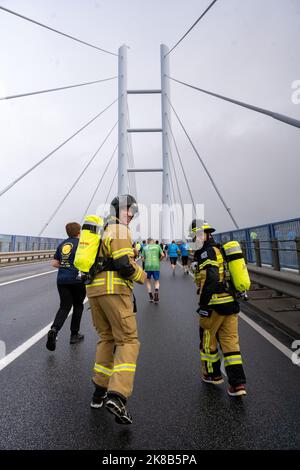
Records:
x=45, y=396
x=27, y=305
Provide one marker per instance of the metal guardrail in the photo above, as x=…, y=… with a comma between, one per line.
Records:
x=14, y=257
x=12, y=243
x=283, y=282
x=275, y=248
x=285, y=232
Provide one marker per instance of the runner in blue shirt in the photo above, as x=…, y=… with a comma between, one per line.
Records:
x=185, y=249
x=173, y=254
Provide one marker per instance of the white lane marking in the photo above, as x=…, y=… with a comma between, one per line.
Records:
x=281, y=347
x=28, y=277
x=5, y=361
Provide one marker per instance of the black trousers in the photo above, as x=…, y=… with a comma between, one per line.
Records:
x=71, y=295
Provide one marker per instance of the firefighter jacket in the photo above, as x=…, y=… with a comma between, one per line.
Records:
x=116, y=245
x=210, y=279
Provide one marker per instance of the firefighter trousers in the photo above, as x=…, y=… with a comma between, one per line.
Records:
x=222, y=329
x=118, y=347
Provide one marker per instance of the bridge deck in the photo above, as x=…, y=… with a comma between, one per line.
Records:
x=45, y=396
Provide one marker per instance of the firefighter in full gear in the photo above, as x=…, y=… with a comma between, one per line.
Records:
x=113, y=311
x=218, y=310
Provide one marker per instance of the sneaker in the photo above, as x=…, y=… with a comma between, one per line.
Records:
x=117, y=407
x=150, y=297
x=156, y=297
x=51, y=340
x=237, y=390
x=76, y=338
x=98, y=400
x=213, y=380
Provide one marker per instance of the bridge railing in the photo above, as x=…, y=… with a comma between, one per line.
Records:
x=16, y=257
x=285, y=232
x=282, y=282
x=280, y=253
x=12, y=243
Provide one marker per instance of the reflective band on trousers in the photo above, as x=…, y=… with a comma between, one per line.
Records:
x=233, y=360
x=103, y=370
x=209, y=357
x=206, y=340
x=125, y=367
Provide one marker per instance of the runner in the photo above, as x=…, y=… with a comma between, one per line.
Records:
x=151, y=255
x=173, y=254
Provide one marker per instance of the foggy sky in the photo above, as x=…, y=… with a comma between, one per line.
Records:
x=245, y=49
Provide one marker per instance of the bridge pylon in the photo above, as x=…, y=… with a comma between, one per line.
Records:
x=123, y=130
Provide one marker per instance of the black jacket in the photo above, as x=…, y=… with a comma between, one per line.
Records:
x=208, y=268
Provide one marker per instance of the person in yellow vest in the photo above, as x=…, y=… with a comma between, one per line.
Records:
x=111, y=301
x=218, y=310
x=138, y=247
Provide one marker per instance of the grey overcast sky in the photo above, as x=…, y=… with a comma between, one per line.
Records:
x=246, y=49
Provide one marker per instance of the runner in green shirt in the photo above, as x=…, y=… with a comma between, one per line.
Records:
x=152, y=254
